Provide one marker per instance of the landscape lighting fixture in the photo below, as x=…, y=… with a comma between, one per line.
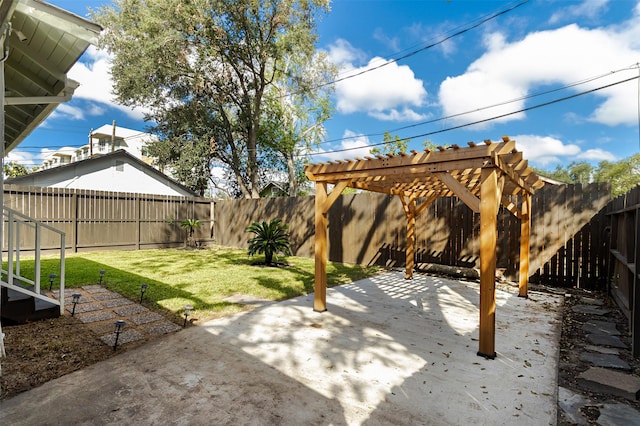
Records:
x=75, y=300
x=119, y=324
x=187, y=311
x=101, y=275
x=51, y=278
x=143, y=290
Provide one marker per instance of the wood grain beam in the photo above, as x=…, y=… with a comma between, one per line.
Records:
x=525, y=235
x=515, y=178
x=489, y=201
x=478, y=152
x=320, y=249
x=510, y=206
x=410, y=211
x=335, y=193
x=425, y=204
x=460, y=190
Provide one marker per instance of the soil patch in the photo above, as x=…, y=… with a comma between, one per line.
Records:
x=40, y=351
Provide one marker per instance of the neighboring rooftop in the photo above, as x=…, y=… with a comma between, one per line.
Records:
x=114, y=171
x=104, y=140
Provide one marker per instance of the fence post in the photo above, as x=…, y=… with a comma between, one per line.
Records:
x=212, y=218
x=138, y=213
x=74, y=221
x=635, y=312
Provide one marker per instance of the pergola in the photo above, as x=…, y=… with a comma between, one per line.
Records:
x=481, y=175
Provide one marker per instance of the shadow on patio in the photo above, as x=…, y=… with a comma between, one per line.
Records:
x=388, y=351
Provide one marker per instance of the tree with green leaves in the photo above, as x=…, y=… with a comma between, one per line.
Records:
x=575, y=172
x=392, y=145
x=13, y=169
x=295, y=114
x=623, y=175
x=432, y=146
x=206, y=71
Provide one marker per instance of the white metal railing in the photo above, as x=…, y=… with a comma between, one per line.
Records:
x=14, y=223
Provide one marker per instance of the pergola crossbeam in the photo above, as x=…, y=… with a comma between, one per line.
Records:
x=461, y=191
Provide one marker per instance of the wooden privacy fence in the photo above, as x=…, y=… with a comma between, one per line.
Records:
x=569, y=237
x=567, y=248
x=104, y=220
x=624, y=213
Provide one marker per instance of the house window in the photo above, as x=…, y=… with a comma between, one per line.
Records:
x=119, y=166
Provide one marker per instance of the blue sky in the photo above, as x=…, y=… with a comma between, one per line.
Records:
x=489, y=71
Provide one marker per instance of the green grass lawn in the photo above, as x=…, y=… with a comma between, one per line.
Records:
x=202, y=278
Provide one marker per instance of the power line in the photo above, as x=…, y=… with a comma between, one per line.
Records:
x=447, y=117
x=415, y=52
x=565, y=98
x=487, y=119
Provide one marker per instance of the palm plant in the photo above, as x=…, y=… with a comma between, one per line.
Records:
x=190, y=225
x=270, y=238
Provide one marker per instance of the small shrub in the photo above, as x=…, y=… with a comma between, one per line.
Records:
x=190, y=225
x=270, y=238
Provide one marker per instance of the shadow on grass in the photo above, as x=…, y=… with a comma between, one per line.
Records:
x=81, y=272
x=337, y=274
x=168, y=296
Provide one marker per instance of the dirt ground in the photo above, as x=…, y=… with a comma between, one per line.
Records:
x=42, y=351
x=572, y=343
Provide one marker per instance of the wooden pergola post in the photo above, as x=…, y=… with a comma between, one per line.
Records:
x=323, y=202
x=411, y=238
x=525, y=235
x=320, y=284
x=489, y=202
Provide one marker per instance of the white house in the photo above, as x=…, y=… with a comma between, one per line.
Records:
x=116, y=171
x=104, y=140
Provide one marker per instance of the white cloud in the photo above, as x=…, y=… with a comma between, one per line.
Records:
x=352, y=146
x=544, y=150
x=597, y=154
x=391, y=92
x=388, y=87
x=405, y=114
x=21, y=157
x=390, y=42
x=508, y=71
x=342, y=54
x=589, y=9
x=432, y=34
x=93, y=73
x=69, y=112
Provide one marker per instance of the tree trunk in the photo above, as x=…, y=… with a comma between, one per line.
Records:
x=293, y=176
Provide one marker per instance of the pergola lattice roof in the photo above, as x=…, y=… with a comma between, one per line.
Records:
x=480, y=175
x=429, y=173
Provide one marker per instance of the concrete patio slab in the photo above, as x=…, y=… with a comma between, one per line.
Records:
x=388, y=351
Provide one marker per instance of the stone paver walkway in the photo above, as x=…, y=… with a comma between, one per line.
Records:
x=609, y=374
x=100, y=308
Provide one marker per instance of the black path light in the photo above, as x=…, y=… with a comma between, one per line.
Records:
x=51, y=278
x=75, y=300
x=187, y=312
x=101, y=275
x=143, y=290
x=119, y=324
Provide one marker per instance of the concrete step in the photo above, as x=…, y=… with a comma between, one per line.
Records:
x=599, y=379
